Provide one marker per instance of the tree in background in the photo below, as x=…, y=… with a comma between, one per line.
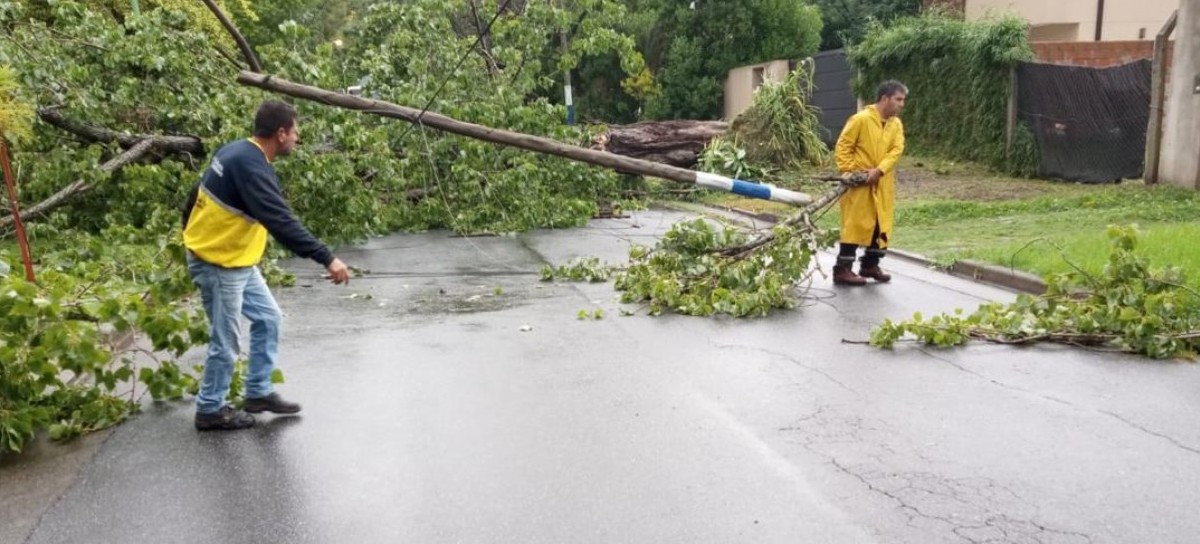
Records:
x=713, y=36
x=956, y=70
x=847, y=21
x=689, y=47
x=260, y=20
x=599, y=95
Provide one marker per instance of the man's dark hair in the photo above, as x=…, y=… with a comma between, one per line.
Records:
x=889, y=88
x=273, y=115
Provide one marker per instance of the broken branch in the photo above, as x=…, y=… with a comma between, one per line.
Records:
x=173, y=144
x=485, y=44
x=801, y=217
x=237, y=36
x=80, y=186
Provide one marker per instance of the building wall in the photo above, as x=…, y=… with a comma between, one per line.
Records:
x=1180, y=161
x=1097, y=54
x=1123, y=19
x=1054, y=32
x=741, y=83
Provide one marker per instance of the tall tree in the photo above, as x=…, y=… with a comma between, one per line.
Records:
x=713, y=36
x=846, y=21
x=260, y=20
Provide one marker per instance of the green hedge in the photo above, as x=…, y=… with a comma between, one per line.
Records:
x=958, y=75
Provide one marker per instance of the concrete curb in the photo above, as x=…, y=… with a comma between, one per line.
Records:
x=980, y=272
x=1007, y=278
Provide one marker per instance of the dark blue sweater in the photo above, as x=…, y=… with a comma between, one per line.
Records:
x=241, y=178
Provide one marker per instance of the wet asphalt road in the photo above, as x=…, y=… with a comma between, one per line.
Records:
x=431, y=417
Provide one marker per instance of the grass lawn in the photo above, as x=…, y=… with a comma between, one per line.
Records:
x=949, y=212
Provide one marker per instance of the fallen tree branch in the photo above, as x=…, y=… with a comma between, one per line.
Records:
x=845, y=183
x=173, y=144
x=677, y=142
x=237, y=36
x=1081, y=340
x=81, y=186
x=802, y=217
x=1072, y=338
x=514, y=139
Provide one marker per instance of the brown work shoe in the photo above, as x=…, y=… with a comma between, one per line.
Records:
x=875, y=273
x=844, y=275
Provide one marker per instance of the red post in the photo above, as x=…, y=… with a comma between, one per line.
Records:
x=22, y=240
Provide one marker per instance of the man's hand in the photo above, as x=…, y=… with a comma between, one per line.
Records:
x=873, y=177
x=339, y=273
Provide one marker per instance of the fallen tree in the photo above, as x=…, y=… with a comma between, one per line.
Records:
x=695, y=269
x=528, y=142
x=677, y=143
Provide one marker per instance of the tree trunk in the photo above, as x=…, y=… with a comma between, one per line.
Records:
x=437, y=121
x=677, y=143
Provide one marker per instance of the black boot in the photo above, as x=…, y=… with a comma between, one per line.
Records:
x=226, y=419
x=271, y=403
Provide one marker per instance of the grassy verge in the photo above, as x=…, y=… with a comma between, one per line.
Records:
x=949, y=212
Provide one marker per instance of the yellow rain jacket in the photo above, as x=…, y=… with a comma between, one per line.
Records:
x=867, y=142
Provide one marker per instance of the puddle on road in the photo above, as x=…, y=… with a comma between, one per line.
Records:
x=417, y=302
x=470, y=299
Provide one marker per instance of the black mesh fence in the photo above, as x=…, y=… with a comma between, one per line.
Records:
x=1089, y=123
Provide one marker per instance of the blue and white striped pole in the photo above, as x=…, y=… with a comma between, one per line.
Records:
x=570, y=101
x=751, y=189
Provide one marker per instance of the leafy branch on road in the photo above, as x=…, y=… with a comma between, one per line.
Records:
x=588, y=269
x=701, y=269
x=1129, y=307
x=687, y=273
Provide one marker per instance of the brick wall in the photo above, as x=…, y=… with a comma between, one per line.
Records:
x=1098, y=54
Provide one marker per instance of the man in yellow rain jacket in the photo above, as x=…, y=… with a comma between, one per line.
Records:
x=872, y=141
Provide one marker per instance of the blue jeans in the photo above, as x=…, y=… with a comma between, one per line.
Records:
x=228, y=293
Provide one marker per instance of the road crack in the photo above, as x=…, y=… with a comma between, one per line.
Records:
x=1170, y=439
x=998, y=383
x=788, y=358
x=972, y=508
